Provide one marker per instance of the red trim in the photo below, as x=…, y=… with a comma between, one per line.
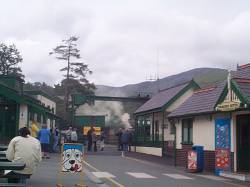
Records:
x=244, y=66
x=242, y=80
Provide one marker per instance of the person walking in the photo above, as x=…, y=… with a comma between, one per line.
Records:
x=94, y=140
x=119, y=135
x=102, y=138
x=125, y=141
x=56, y=139
x=34, y=129
x=44, y=137
x=68, y=135
x=23, y=149
x=73, y=136
x=89, y=138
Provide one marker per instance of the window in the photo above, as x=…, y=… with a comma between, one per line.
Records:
x=31, y=116
x=39, y=118
x=172, y=128
x=187, y=131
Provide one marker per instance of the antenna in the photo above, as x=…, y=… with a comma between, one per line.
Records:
x=157, y=69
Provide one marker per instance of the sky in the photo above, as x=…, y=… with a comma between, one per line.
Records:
x=126, y=41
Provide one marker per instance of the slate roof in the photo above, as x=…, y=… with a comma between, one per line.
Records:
x=201, y=101
x=244, y=86
x=242, y=72
x=161, y=98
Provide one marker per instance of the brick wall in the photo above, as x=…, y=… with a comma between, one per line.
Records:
x=209, y=158
x=181, y=155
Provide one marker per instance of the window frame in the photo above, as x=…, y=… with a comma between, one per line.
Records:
x=188, y=122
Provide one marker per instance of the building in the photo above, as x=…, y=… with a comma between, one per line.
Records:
x=18, y=109
x=154, y=133
x=217, y=118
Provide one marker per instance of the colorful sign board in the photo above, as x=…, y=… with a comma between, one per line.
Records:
x=87, y=128
x=222, y=144
x=222, y=158
x=192, y=160
x=72, y=158
x=228, y=106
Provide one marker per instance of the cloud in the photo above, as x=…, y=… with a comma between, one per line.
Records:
x=119, y=40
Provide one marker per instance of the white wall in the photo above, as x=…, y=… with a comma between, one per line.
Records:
x=47, y=102
x=204, y=132
x=148, y=150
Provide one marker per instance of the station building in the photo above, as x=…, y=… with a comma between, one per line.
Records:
x=19, y=108
x=154, y=133
x=218, y=119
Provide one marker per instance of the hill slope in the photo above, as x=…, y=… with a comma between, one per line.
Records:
x=203, y=76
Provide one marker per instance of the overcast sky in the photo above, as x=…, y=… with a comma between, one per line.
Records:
x=119, y=39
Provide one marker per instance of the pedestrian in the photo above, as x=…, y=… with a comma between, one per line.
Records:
x=102, y=138
x=34, y=129
x=89, y=138
x=94, y=140
x=73, y=136
x=23, y=149
x=68, y=134
x=56, y=139
x=130, y=139
x=44, y=137
x=119, y=135
x=125, y=141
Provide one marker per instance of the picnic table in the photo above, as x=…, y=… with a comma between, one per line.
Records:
x=3, y=147
x=11, y=166
x=3, y=159
x=2, y=153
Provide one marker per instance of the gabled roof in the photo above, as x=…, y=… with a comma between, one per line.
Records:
x=164, y=97
x=243, y=85
x=201, y=101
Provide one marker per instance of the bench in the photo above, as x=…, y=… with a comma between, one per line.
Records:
x=12, y=185
x=12, y=166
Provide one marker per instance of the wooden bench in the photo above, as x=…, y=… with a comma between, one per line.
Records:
x=3, y=147
x=12, y=166
x=12, y=185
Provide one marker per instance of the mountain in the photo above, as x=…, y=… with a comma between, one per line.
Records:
x=203, y=76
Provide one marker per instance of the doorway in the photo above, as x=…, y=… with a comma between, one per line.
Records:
x=243, y=143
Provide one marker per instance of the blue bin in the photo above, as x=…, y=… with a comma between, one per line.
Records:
x=200, y=157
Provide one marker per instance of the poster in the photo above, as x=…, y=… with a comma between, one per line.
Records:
x=222, y=158
x=222, y=145
x=87, y=128
x=72, y=158
x=192, y=160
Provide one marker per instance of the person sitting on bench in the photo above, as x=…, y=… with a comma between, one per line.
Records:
x=26, y=150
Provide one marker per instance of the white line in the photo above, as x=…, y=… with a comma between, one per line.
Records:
x=177, y=176
x=212, y=177
x=141, y=175
x=103, y=174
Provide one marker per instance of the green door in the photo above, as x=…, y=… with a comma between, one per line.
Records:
x=243, y=142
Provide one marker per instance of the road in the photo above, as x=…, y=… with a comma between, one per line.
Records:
x=115, y=170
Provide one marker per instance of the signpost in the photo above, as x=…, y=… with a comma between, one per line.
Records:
x=71, y=161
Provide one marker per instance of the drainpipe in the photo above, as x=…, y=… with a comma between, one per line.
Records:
x=175, y=159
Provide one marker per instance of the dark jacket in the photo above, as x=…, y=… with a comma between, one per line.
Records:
x=125, y=138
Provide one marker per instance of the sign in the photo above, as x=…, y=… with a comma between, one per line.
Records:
x=222, y=145
x=228, y=106
x=222, y=158
x=72, y=158
x=97, y=130
x=192, y=160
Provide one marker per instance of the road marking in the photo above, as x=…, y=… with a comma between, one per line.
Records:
x=212, y=177
x=103, y=174
x=141, y=175
x=177, y=176
x=97, y=170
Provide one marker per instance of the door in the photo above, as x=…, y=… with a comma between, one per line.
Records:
x=243, y=142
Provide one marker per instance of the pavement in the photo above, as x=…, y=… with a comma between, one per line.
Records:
x=109, y=169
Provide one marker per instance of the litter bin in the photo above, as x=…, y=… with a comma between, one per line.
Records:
x=196, y=159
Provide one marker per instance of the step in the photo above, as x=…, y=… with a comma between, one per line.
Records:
x=238, y=176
